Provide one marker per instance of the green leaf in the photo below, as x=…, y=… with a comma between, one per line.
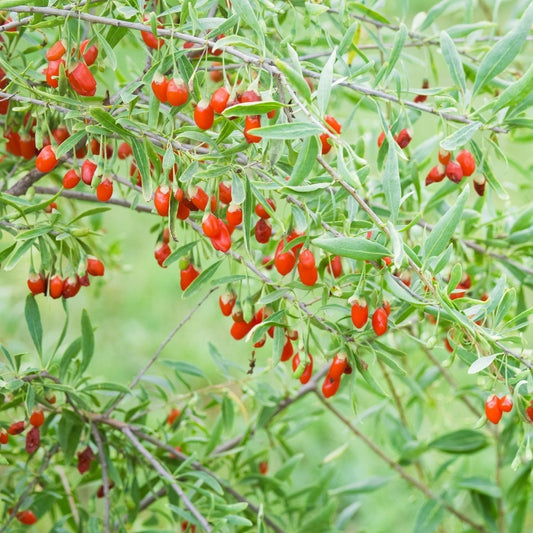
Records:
x=325, y=84
x=247, y=209
x=33, y=320
x=461, y=441
x=397, y=244
x=106, y=47
x=9, y=358
x=429, y=517
x=236, y=520
x=17, y=255
x=71, y=351
x=285, y=472
x=366, y=485
x=216, y=434
x=397, y=48
x=435, y=12
x=516, y=92
x=481, y=485
x=352, y=247
x=87, y=341
x=369, y=12
x=460, y=137
x=68, y=433
x=348, y=39
x=107, y=121
x=519, y=488
x=294, y=75
x=33, y=233
x=227, y=413
x=203, y=278
x=252, y=108
x=88, y=213
x=291, y=130
x=70, y=143
x=209, y=480
x=247, y=14
x=139, y=153
x=182, y=367
x=391, y=183
x=480, y=364
x=180, y=252
x=503, y=52
x=226, y=25
x=107, y=386
x=305, y=161
x=453, y=61
x=6, y=252
x=441, y=234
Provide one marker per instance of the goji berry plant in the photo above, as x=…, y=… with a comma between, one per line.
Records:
x=336, y=196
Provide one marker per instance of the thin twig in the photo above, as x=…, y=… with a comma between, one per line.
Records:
x=44, y=465
x=105, y=477
x=448, y=377
x=68, y=492
x=310, y=386
x=403, y=473
x=161, y=347
x=163, y=472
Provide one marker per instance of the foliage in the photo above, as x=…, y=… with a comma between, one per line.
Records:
x=350, y=216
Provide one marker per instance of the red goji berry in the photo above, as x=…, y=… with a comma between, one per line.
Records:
x=33, y=440
x=46, y=160
x=380, y=321
x=37, y=418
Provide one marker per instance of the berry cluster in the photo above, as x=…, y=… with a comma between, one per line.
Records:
x=463, y=166
x=58, y=287
x=403, y=138
x=339, y=367
x=495, y=407
x=380, y=317
x=79, y=76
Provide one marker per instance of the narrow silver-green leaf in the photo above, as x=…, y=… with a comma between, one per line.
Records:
x=453, y=60
x=70, y=143
x=108, y=50
x=397, y=244
x=348, y=38
x=305, y=161
x=352, y=247
x=294, y=76
x=397, y=47
x=203, y=278
x=33, y=320
x=141, y=159
x=369, y=12
x=516, y=92
x=106, y=120
x=252, y=108
x=461, y=441
x=429, y=517
x=503, y=52
x=391, y=183
x=480, y=364
x=460, y=137
x=441, y=234
x=287, y=131
x=435, y=12
x=87, y=340
x=247, y=14
x=324, y=84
